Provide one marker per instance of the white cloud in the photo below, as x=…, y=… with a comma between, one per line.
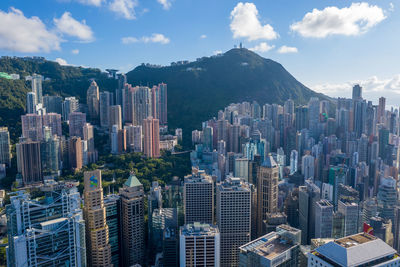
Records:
x=154, y=38
x=203, y=36
x=287, y=49
x=373, y=88
x=61, y=61
x=26, y=35
x=245, y=23
x=75, y=51
x=354, y=20
x=70, y=26
x=91, y=2
x=124, y=8
x=165, y=3
x=391, y=6
x=262, y=47
x=217, y=52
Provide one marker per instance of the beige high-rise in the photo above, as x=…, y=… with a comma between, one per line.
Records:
x=98, y=247
x=151, y=129
x=267, y=191
x=92, y=99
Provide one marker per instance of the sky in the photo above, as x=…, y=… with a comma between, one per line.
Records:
x=328, y=45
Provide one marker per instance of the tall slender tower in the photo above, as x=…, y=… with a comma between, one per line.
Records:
x=151, y=129
x=92, y=100
x=132, y=210
x=267, y=191
x=98, y=247
x=37, y=87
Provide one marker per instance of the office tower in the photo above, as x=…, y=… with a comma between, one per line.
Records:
x=37, y=87
x=5, y=147
x=387, y=198
x=30, y=102
x=134, y=137
x=50, y=155
x=53, y=103
x=115, y=117
x=350, y=213
x=356, y=250
x=383, y=142
x=199, y=245
x=76, y=122
x=357, y=92
x=381, y=110
x=106, y=100
x=132, y=214
x=75, y=155
x=161, y=218
x=151, y=138
x=301, y=118
x=396, y=228
x=112, y=204
x=92, y=100
x=360, y=117
x=198, y=198
x=207, y=138
x=307, y=167
x=242, y=168
x=308, y=196
x=267, y=191
x=29, y=161
x=47, y=231
x=69, y=105
x=233, y=218
x=170, y=247
x=294, y=155
x=142, y=107
x=323, y=219
x=234, y=138
x=53, y=120
x=154, y=201
x=272, y=220
x=370, y=209
x=114, y=139
x=97, y=235
x=32, y=126
x=280, y=248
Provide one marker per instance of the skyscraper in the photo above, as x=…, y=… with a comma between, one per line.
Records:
x=5, y=147
x=37, y=87
x=32, y=126
x=49, y=231
x=350, y=213
x=53, y=103
x=92, y=100
x=69, y=105
x=267, y=191
x=115, y=117
x=357, y=92
x=98, y=247
x=112, y=205
x=323, y=219
x=75, y=155
x=198, y=198
x=142, y=104
x=76, y=122
x=134, y=137
x=53, y=120
x=381, y=109
x=233, y=218
x=159, y=103
x=199, y=245
x=151, y=138
x=30, y=102
x=104, y=108
x=29, y=161
x=132, y=214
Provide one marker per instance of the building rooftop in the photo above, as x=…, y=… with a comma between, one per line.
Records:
x=234, y=184
x=199, y=229
x=132, y=181
x=269, y=162
x=355, y=250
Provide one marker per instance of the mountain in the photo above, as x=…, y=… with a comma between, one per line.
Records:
x=197, y=90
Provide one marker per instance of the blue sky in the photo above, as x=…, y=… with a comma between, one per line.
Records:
x=328, y=45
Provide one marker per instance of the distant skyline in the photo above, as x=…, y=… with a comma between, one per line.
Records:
x=327, y=45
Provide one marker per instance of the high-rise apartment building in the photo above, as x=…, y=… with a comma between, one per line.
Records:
x=37, y=87
x=198, y=198
x=357, y=92
x=280, y=248
x=29, y=161
x=356, y=250
x=76, y=122
x=92, y=100
x=53, y=120
x=267, y=191
x=75, y=154
x=115, y=117
x=53, y=103
x=5, y=147
x=32, y=126
x=233, y=218
x=142, y=104
x=48, y=231
x=159, y=103
x=98, y=247
x=106, y=100
x=134, y=137
x=70, y=104
x=151, y=133
x=132, y=220
x=199, y=245
x=30, y=102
